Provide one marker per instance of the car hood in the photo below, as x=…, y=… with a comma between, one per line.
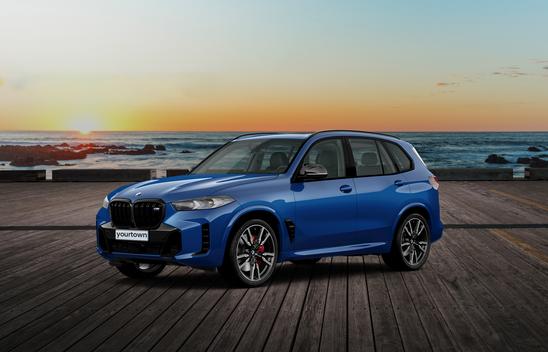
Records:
x=185, y=187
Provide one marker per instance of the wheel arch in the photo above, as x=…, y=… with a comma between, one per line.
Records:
x=410, y=209
x=262, y=213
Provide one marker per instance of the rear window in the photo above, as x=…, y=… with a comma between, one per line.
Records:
x=402, y=161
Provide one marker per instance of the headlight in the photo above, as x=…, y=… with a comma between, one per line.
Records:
x=105, y=202
x=203, y=203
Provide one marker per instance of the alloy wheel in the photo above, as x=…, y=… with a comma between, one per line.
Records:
x=414, y=241
x=256, y=252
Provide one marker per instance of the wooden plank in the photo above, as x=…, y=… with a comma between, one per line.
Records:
x=410, y=326
x=385, y=326
x=136, y=327
x=334, y=327
x=237, y=325
x=55, y=293
x=164, y=321
x=360, y=329
x=435, y=327
x=97, y=336
x=509, y=290
x=287, y=321
x=515, y=335
x=206, y=331
x=96, y=318
x=181, y=330
x=458, y=283
x=458, y=322
x=309, y=331
x=258, y=329
x=44, y=323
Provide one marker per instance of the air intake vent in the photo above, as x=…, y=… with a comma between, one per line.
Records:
x=205, y=238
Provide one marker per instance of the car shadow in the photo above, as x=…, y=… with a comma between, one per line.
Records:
x=205, y=279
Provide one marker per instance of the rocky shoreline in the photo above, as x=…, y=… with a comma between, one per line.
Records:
x=536, y=161
x=35, y=155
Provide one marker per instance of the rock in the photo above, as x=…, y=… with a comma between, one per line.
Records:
x=143, y=151
x=496, y=159
x=186, y=151
x=30, y=161
x=160, y=147
x=538, y=163
x=534, y=149
x=22, y=155
x=542, y=155
x=523, y=160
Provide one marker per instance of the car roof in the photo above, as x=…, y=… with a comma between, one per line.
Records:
x=306, y=135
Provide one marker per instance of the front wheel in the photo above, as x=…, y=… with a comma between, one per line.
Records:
x=140, y=270
x=411, y=244
x=252, y=255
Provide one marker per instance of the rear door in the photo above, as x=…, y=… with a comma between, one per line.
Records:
x=382, y=190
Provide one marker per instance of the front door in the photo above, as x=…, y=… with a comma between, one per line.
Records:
x=325, y=209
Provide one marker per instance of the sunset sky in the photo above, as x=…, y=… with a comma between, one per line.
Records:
x=274, y=65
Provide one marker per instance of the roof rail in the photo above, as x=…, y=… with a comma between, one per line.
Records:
x=313, y=133
x=381, y=134
x=254, y=134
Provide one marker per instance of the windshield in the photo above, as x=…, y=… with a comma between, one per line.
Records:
x=253, y=156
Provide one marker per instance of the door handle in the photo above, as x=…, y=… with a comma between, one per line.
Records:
x=398, y=183
x=345, y=189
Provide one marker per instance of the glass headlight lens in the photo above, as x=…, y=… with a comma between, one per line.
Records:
x=203, y=203
x=105, y=202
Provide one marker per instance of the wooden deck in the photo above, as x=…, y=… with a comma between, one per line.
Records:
x=485, y=286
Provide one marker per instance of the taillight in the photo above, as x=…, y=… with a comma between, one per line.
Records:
x=434, y=182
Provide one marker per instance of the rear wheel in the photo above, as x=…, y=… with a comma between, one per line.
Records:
x=252, y=255
x=411, y=244
x=140, y=270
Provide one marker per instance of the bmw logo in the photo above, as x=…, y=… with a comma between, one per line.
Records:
x=138, y=194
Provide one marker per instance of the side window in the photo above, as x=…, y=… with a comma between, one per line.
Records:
x=330, y=154
x=366, y=157
x=399, y=156
x=387, y=164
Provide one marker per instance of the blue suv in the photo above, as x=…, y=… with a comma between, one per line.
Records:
x=265, y=198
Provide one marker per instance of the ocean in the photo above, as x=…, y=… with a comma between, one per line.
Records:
x=438, y=149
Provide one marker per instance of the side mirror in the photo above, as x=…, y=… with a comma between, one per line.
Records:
x=312, y=172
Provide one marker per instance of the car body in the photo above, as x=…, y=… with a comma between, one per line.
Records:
x=356, y=209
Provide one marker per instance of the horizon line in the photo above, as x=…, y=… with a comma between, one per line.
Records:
x=273, y=131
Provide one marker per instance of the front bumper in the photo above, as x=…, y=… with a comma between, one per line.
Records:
x=184, y=242
x=165, y=242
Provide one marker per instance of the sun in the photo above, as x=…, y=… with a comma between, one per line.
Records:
x=84, y=124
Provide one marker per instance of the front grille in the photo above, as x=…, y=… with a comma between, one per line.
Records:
x=148, y=214
x=120, y=213
x=143, y=214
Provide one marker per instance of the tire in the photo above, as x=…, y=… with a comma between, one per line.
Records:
x=309, y=261
x=139, y=271
x=252, y=254
x=411, y=244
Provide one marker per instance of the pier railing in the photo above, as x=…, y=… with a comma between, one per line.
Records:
x=135, y=175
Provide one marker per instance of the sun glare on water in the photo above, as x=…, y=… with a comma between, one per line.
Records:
x=84, y=124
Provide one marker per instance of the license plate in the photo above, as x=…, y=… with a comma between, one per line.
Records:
x=132, y=235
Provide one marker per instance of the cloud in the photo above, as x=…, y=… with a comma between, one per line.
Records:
x=446, y=84
x=510, y=71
